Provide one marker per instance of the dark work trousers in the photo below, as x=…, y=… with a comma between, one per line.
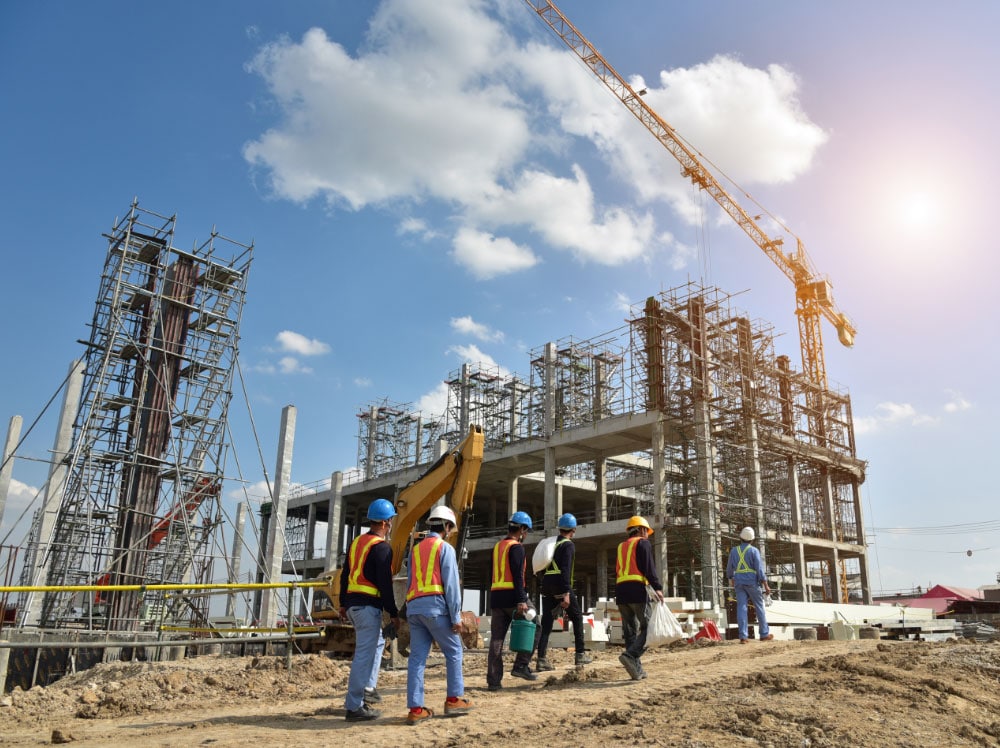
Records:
x=500, y=620
x=635, y=623
x=550, y=604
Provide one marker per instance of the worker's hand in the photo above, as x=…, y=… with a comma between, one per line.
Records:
x=457, y=627
x=564, y=603
x=522, y=608
x=342, y=612
x=767, y=588
x=659, y=595
x=395, y=623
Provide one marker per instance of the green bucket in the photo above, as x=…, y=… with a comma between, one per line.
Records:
x=522, y=635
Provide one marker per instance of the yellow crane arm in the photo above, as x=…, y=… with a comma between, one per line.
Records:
x=813, y=292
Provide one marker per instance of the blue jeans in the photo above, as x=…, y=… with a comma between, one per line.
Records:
x=425, y=629
x=635, y=623
x=751, y=592
x=368, y=646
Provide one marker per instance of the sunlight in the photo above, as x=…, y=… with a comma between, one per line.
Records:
x=918, y=213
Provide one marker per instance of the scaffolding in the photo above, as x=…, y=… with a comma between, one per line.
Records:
x=141, y=502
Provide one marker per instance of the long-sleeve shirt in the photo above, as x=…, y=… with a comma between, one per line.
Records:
x=450, y=603
x=562, y=558
x=377, y=568
x=635, y=592
x=511, y=598
x=751, y=571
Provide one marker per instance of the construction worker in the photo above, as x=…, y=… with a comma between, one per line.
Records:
x=558, y=596
x=509, y=598
x=746, y=570
x=366, y=593
x=635, y=574
x=434, y=612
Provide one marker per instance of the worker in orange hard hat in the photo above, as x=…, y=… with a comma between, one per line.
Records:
x=636, y=587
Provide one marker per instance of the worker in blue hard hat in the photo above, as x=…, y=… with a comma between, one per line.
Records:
x=558, y=596
x=365, y=591
x=509, y=599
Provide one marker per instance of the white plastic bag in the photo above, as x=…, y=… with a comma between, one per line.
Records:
x=663, y=627
x=543, y=554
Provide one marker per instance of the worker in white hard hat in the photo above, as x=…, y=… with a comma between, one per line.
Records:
x=434, y=612
x=746, y=570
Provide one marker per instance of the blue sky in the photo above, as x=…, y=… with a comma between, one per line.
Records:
x=433, y=181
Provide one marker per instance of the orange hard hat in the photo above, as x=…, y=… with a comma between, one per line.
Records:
x=638, y=521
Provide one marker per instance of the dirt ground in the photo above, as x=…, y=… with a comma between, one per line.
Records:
x=810, y=693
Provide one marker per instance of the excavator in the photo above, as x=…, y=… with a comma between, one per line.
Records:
x=455, y=474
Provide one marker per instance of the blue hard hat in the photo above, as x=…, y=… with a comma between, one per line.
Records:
x=567, y=522
x=381, y=509
x=521, y=518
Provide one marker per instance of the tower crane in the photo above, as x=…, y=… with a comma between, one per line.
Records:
x=813, y=292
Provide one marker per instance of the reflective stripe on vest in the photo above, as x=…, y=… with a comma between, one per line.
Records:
x=503, y=575
x=743, y=567
x=553, y=568
x=426, y=567
x=358, y=554
x=625, y=566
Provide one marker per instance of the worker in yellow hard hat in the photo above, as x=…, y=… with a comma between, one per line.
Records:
x=636, y=587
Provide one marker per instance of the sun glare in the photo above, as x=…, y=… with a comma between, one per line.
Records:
x=918, y=212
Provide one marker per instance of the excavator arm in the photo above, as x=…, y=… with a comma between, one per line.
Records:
x=455, y=473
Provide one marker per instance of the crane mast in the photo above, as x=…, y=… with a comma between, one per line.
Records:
x=813, y=293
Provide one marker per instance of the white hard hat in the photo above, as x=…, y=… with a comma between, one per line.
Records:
x=747, y=534
x=443, y=513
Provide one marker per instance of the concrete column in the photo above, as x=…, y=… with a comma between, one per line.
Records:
x=7, y=465
x=372, y=443
x=511, y=500
x=602, y=572
x=335, y=521
x=551, y=498
x=866, y=590
x=660, y=498
x=236, y=557
x=601, y=490
x=310, y=532
x=801, y=569
x=270, y=604
x=54, y=489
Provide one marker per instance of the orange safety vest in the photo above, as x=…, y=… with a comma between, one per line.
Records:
x=425, y=567
x=358, y=554
x=503, y=575
x=625, y=566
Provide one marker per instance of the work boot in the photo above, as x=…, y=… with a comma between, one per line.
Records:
x=458, y=706
x=523, y=671
x=372, y=696
x=582, y=658
x=767, y=638
x=362, y=714
x=494, y=686
x=543, y=665
x=418, y=714
x=631, y=665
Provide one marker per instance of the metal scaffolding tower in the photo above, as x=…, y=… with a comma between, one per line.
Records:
x=141, y=501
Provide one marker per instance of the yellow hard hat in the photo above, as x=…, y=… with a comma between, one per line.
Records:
x=638, y=521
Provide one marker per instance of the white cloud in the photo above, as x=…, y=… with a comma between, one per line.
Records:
x=956, y=402
x=891, y=414
x=294, y=342
x=468, y=326
x=472, y=354
x=291, y=365
x=362, y=382
x=442, y=109
x=622, y=303
x=434, y=403
x=487, y=256
x=20, y=496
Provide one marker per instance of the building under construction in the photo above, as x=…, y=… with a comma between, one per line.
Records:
x=133, y=495
x=686, y=416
